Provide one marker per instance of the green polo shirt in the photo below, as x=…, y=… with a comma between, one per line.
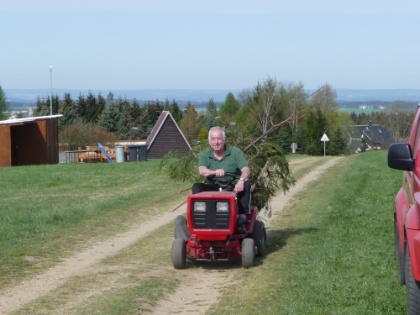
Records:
x=233, y=161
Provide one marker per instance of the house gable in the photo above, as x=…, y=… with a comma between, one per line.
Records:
x=374, y=135
x=166, y=136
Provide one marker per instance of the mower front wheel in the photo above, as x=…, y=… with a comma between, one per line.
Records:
x=179, y=253
x=248, y=252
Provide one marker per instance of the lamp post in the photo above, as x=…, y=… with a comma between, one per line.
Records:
x=51, y=67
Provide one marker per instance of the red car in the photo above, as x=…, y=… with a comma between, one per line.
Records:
x=406, y=157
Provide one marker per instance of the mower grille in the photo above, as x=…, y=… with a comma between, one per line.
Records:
x=211, y=218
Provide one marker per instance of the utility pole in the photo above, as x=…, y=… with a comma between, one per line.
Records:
x=51, y=68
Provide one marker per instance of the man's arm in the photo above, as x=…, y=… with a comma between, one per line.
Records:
x=245, y=172
x=204, y=171
x=240, y=185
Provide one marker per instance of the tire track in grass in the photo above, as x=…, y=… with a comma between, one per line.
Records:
x=199, y=286
x=79, y=264
x=199, y=289
x=280, y=200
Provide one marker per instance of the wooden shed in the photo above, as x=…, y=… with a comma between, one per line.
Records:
x=29, y=141
x=166, y=136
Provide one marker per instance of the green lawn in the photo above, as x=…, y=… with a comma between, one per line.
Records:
x=48, y=211
x=329, y=252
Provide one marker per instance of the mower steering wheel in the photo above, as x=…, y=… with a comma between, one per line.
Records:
x=223, y=181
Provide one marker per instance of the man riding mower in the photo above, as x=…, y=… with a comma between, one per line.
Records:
x=213, y=229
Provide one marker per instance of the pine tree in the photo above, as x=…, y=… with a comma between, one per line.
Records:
x=4, y=107
x=109, y=118
x=42, y=107
x=136, y=112
x=315, y=126
x=124, y=123
x=189, y=123
x=94, y=107
x=68, y=109
x=337, y=144
x=82, y=110
x=176, y=111
x=211, y=114
x=229, y=109
x=151, y=113
x=284, y=137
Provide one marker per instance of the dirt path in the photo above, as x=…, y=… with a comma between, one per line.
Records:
x=199, y=288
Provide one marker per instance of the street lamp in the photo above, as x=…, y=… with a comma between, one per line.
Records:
x=51, y=67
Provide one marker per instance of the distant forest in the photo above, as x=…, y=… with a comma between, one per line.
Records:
x=280, y=112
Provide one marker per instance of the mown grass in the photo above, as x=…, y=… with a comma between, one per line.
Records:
x=301, y=165
x=130, y=282
x=47, y=211
x=331, y=250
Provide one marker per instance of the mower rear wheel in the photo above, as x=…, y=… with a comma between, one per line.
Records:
x=259, y=236
x=248, y=252
x=179, y=253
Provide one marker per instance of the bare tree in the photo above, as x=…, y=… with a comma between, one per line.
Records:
x=262, y=101
x=325, y=99
x=293, y=99
x=399, y=121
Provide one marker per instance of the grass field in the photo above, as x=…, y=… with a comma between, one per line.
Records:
x=329, y=252
x=48, y=211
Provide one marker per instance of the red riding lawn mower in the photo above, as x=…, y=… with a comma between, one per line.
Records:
x=210, y=231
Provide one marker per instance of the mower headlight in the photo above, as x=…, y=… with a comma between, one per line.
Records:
x=199, y=206
x=222, y=206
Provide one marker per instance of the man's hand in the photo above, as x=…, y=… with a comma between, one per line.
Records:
x=240, y=185
x=220, y=173
x=204, y=171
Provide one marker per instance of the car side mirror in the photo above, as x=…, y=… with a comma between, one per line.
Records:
x=400, y=157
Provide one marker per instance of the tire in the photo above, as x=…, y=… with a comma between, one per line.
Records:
x=259, y=237
x=401, y=266
x=180, y=219
x=179, y=253
x=396, y=242
x=400, y=255
x=248, y=252
x=412, y=287
x=181, y=228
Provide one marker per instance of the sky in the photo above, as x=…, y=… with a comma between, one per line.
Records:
x=229, y=44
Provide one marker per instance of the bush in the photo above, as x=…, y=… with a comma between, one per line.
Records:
x=82, y=134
